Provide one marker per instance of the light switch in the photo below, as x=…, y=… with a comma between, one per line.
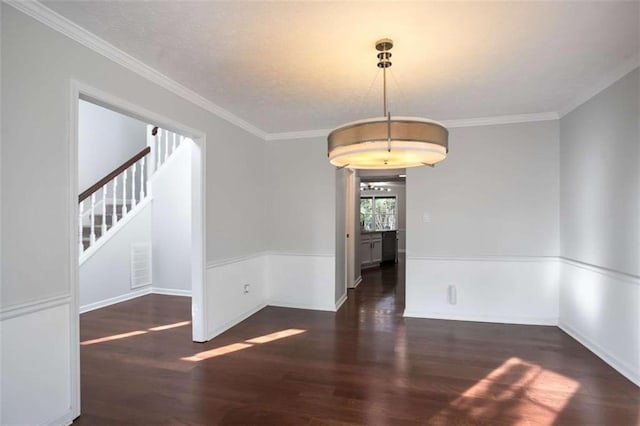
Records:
x=426, y=218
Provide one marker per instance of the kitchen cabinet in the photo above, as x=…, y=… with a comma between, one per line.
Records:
x=371, y=248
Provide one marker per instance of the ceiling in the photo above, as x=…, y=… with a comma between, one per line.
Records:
x=298, y=66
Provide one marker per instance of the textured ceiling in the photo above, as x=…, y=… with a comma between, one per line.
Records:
x=292, y=66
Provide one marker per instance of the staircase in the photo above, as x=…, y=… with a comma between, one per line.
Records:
x=103, y=205
x=99, y=219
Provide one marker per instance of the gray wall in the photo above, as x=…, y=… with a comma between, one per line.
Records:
x=496, y=194
x=600, y=180
x=106, y=139
x=301, y=196
x=600, y=224
x=37, y=64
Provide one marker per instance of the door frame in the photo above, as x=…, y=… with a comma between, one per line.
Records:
x=81, y=91
x=350, y=228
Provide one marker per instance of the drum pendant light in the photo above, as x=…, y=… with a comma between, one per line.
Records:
x=388, y=142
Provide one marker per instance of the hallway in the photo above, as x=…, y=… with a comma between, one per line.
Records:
x=365, y=364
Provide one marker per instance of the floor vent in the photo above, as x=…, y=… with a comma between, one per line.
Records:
x=140, y=265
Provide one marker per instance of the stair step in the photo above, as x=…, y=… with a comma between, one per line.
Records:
x=86, y=232
x=98, y=220
x=118, y=207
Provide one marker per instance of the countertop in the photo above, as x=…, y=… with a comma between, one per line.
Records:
x=378, y=232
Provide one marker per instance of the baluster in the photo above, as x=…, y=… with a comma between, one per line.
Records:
x=92, y=216
x=151, y=139
x=142, y=174
x=124, y=193
x=114, y=210
x=166, y=145
x=104, y=209
x=80, y=214
x=133, y=186
x=175, y=137
x=159, y=148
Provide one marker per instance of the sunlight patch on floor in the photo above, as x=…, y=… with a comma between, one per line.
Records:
x=134, y=333
x=517, y=389
x=114, y=337
x=169, y=326
x=222, y=350
x=275, y=336
x=234, y=347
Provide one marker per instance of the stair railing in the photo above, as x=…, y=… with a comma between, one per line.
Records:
x=163, y=144
x=99, y=197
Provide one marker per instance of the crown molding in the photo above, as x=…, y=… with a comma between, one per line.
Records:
x=59, y=23
x=451, y=124
x=500, y=119
x=623, y=69
x=304, y=134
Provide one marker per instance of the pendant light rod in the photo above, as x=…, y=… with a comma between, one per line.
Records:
x=383, y=46
x=384, y=90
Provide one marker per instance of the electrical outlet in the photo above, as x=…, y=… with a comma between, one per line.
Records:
x=452, y=295
x=246, y=288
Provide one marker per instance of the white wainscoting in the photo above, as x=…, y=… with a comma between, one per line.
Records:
x=516, y=290
x=600, y=308
x=227, y=302
x=301, y=280
x=37, y=363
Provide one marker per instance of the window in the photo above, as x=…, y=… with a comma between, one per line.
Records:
x=378, y=213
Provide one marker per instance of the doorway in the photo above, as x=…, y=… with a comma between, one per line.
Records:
x=115, y=202
x=370, y=227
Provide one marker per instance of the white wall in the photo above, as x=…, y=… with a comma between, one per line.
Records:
x=38, y=64
x=301, y=223
x=492, y=222
x=35, y=371
x=600, y=224
x=171, y=229
x=105, y=275
x=106, y=139
x=304, y=281
x=506, y=289
x=231, y=303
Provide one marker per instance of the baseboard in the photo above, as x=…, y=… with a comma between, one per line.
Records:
x=66, y=419
x=279, y=304
x=114, y=300
x=341, y=301
x=484, y=318
x=615, y=363
x=357, y=282
x=234, y=321
x=171, y=291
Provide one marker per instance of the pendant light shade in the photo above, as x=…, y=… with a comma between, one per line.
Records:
x=388, y=142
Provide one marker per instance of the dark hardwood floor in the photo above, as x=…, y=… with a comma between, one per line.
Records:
x=366, y=364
